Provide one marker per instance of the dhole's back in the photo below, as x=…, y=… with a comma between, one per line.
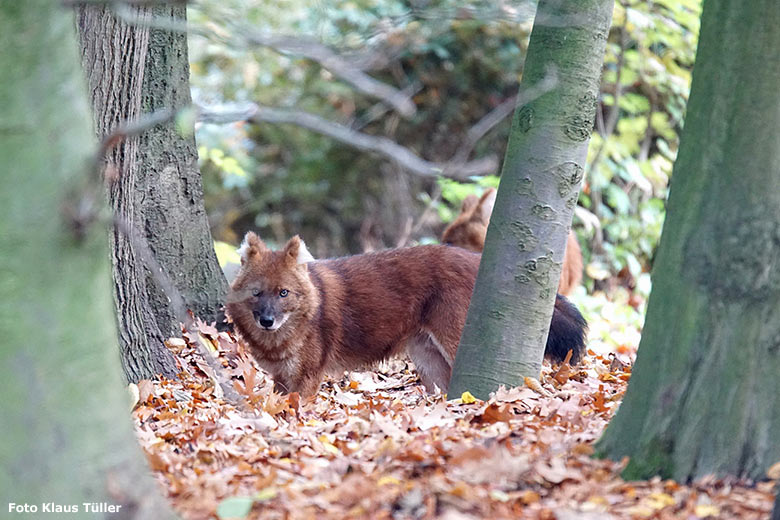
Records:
x=385, y=299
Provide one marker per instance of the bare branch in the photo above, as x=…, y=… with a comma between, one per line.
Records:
x=457, y=168
x=144, y=122
x=341, y=67
x=136, y=240
x=406, y=158
x=491, y=119
x=380, y=108
x=131, y=16
x=311, y=49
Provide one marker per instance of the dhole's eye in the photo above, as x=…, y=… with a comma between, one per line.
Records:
x=283, y=293
x=255, y=292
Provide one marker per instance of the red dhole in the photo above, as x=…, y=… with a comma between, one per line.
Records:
x=302, y=318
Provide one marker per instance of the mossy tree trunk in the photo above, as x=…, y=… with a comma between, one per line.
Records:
x=509, y=317
x=134, y=70
x=66, y=436
x=703, y=397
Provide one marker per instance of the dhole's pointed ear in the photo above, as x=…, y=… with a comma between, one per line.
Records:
x=485, y=205
x=295, y=252
x=469, y=203
x=251, y=246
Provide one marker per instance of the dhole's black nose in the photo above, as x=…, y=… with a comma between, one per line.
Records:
x=265, y=320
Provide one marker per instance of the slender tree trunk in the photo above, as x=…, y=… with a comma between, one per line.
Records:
x=134, y=70
x=66, y=435
x=776, y=510
x=703, y=397
x=509, y=317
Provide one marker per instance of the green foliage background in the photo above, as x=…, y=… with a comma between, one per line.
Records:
x=461, y=59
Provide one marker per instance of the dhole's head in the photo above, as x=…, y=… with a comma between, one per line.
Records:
x=271, y=287
x=469, y=228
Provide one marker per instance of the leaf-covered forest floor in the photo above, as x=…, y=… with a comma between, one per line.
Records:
x=374, y=445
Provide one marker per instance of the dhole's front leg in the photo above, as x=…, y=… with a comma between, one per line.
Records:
x=306, y=386
x=282, y=385
x=428, y=358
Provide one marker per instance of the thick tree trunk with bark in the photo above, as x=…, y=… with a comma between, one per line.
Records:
x=66, y=435
x=703, y=397
x=134, y=70
x=113, y=55
x=172, y=211
x=509, y=317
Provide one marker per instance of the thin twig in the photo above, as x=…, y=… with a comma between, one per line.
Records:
x=406, y=158
x=612, y=117
x=164, y=282
x=608, y=128
x=336, y=64
x=130, y=128
x=123, y=131
x=413, y=227
x=380, y=108
x=131, y=17
x=592, y=223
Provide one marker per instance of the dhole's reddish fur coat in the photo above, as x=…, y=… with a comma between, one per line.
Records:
x=469, y=228
x=303, y=318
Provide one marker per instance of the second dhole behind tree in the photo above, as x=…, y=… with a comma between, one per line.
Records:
x=302, y=318
x=469, y=229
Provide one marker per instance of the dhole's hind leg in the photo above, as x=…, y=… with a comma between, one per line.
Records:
x=432, y=367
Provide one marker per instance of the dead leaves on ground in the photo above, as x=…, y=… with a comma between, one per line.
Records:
x=375, y=445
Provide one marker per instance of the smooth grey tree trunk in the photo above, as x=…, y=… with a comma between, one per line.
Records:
x=134, y=70
x=703, y=397
x=509, y=317
x=66, y=435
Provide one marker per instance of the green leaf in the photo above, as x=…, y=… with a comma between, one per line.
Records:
x=235, y=507
x=634, y=103
x=266, y=494
x=226, y=253
x=185, y=121
x=618, y=199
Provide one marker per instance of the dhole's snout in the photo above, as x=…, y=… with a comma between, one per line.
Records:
x=264, y=319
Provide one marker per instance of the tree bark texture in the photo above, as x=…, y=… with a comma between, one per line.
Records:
x=134, y=70
x=113, y=56
x=173, y=215
x=703, y=397
x=66, y=435
x=509, y=317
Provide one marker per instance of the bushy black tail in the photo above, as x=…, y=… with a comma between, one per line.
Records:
x=567, y=332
